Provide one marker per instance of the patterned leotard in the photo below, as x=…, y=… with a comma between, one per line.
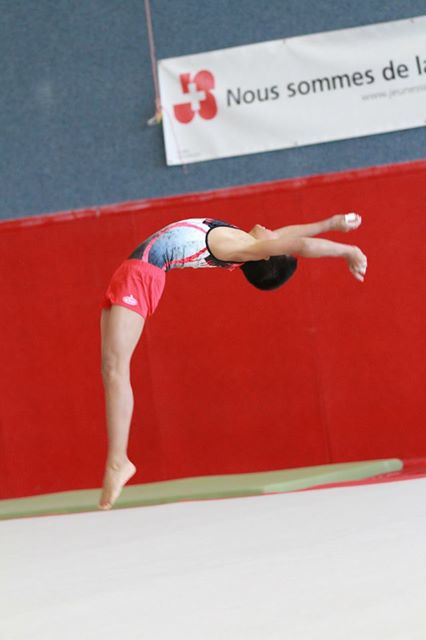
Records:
x=182, y=244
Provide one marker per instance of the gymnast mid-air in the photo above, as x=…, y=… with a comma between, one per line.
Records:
x=266, y=258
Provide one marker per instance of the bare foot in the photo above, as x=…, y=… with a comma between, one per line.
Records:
x=357, y=263
x=116, y=476
x=346, y=222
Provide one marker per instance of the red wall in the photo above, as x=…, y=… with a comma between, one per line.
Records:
x=227, y=379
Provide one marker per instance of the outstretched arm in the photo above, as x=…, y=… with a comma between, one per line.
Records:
x=293, y=246
x=309, y=248
x=321, y=248
x=340, y=222
x=236, y=246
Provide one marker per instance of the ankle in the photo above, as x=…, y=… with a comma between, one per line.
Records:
x=116, y=462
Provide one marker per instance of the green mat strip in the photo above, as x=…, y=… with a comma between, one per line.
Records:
x=201, y=488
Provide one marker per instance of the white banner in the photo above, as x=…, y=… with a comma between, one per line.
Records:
x=299, y=91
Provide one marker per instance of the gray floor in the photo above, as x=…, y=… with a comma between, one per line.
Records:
x=323, y=564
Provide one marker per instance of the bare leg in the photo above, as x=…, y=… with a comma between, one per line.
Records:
x=339, y=222
x=120, y=332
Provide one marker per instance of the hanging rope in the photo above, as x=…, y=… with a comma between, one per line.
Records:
x=156, y=119
x=158, y=116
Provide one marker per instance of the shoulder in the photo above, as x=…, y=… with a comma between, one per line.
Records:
x=233, y=245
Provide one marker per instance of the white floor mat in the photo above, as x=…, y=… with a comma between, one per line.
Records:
x=338, y=564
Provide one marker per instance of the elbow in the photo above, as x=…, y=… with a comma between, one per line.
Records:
x=296, y=247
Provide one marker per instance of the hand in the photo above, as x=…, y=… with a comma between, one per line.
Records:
x=357, y=263
x=346, y=222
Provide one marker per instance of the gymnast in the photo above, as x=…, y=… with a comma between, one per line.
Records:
x=266, y=258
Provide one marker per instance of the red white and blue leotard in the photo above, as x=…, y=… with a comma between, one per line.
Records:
x=139, y=281
x=182, y=244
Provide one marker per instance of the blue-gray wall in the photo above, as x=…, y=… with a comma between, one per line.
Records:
x=76, y=92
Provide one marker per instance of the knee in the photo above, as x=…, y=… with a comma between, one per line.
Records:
x=113, y=368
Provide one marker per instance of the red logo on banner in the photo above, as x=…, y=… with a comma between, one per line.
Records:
x=200, y=98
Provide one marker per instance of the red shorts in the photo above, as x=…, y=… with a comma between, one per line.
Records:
x=136, y=285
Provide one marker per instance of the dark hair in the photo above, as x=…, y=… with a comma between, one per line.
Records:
x=269, y=274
